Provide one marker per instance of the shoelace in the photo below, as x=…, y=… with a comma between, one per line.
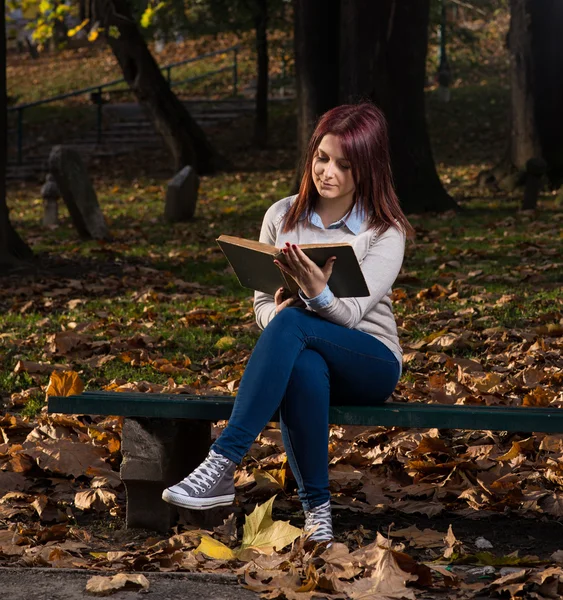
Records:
x=319, y=516
x=207, y=473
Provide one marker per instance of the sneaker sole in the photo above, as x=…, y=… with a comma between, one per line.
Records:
x=197, y=503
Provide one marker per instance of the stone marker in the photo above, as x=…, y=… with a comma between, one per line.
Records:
x=181, y=196
x=50, y=194
x=78, y=193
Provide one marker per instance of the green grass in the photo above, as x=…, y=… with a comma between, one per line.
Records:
x=137, y=284
x=33, y=405
x=120, y=306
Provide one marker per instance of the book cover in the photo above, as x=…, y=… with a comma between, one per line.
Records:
x=253, y=264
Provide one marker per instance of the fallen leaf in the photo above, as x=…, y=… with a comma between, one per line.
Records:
x=96, y=499
x=262, y=532
x=103, y=586
x=66, y=383
x=214, y=549
x=66, y=457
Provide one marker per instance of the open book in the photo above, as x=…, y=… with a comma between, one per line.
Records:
x=253, y=264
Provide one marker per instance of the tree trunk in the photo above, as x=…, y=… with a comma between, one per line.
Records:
x=523, y=133
x=316, y=39
x=183, y=136
x=382, y=58
x=12, y=248
x=536, y=73
x=547, y=52
x=261, y=122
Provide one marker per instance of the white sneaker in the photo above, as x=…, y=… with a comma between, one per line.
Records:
x=319, y=519
x=210, y=485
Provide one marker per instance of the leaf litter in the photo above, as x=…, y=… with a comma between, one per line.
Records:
x=472, y=335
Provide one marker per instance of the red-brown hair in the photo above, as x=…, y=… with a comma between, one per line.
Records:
x=362, y=131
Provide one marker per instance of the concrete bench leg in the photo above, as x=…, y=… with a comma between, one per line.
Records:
x=158, y=453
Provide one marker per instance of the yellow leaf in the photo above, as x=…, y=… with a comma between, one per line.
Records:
x=225, y=343
x=262, y=532
x=214, y=549
x=72, y=32
x=274, y=479
x=436, y=334
x=487, y=382
x=519, y=447
x=66, y=383
x=93, y=35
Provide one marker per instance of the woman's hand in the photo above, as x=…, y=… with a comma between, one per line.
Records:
x=282, y=301
x=311, y=279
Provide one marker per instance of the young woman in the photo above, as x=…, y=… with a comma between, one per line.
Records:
x=317, y=349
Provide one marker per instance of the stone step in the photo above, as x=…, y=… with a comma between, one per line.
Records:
x=129, y=129
x=132, y=109
x=24, y=174
x=110, y=138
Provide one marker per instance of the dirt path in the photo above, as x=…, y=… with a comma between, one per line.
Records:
x=68, y=584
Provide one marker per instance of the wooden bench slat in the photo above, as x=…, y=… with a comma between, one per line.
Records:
x=415, y=414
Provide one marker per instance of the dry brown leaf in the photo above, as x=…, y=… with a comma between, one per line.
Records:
x=46, y=510
x=382, y=575
x=11, y=543
x=513, y=583
x=65, y=456
x=487, y=382
x=11, y=482
x=453, y=545
x=103, y=586
x=539, y=396
x=427, y=538
x=339, y=564
x=33, y=368
x=96, y=499
x=263, y=580
x=553, y=504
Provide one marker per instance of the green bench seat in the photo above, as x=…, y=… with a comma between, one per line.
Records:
x=166, y=436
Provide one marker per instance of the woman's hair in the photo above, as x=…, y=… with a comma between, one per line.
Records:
x=362, y=131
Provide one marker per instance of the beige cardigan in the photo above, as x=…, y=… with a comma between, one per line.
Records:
x=380, y=258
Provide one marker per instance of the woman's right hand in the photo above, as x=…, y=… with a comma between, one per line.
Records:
x=282, y=301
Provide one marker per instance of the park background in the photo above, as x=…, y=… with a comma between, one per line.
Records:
x=477, y=142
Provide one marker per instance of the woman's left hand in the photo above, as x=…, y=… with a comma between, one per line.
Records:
x=311, y=279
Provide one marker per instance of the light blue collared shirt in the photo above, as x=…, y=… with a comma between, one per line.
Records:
x=353, y=221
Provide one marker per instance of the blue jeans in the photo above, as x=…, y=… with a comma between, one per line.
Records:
x=301, y=364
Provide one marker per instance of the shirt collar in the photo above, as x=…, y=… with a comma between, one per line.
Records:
x=353, y=221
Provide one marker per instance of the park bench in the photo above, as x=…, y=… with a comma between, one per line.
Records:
x=166, y=436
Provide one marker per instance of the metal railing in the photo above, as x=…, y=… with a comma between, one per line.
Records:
x=97, y=90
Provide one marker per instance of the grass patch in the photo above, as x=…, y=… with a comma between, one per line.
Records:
x=161, y=291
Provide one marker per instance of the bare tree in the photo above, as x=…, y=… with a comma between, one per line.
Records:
x=12, y=248
x=183, y=136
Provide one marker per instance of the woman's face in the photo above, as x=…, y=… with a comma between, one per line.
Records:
x=332, y=173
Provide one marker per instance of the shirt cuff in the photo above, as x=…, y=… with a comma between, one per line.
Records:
x=320, y=301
